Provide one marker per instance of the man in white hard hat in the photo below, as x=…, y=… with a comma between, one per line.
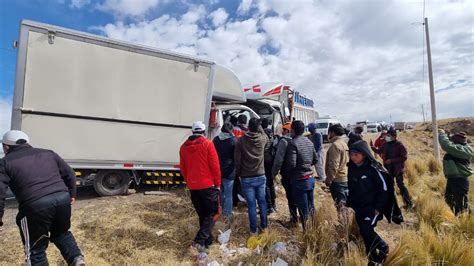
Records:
x=200, y=167
x=44, y=186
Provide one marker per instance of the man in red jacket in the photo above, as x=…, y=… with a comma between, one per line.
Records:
x=199, y=165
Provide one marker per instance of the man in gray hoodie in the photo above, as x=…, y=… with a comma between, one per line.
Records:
x=249, y=166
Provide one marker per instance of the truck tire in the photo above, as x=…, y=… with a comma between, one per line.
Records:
x=111, y=182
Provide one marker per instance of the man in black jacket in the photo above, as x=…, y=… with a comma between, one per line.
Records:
x=369, y=197
x=299, y=159
x=45, y=187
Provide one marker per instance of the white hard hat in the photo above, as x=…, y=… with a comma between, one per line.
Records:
x=12, y=137
x=198, y=126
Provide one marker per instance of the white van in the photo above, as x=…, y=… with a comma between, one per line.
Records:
x=322, y=126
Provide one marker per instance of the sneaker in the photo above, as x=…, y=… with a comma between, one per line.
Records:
x=397, y=219
x=200, y=248
x=79, y=261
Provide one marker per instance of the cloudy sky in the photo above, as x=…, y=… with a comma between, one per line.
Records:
x=358, y=59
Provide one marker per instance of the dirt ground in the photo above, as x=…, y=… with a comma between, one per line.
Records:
x=156, y=229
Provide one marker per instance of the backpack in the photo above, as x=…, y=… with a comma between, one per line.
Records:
x=392, y=211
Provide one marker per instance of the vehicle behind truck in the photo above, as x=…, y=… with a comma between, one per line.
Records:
x=279, y=103
x=116, y=112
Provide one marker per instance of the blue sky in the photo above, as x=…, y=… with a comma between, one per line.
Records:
x=358, y=60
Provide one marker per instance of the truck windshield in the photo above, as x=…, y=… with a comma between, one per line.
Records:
x=322, y=125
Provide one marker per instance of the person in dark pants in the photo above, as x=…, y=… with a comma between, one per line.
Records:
x=45, y=187
x=280, y=166
x=270, y=194
x=225, y=146
x=394, y=155
x=457, y=169
x=299, y=159
x=369, y=197
x=200, y=168
x=317, y=140
x=337, y=158
x=239, y=131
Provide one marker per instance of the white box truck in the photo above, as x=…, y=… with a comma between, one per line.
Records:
x=116, y=112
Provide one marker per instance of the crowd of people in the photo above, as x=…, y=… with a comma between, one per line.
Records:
x=252, y=155
x=244, y=159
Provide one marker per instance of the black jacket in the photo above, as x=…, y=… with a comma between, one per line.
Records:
x=225, y=146
x=34, y=173
x=367, y=189
x=300, y=156
x=371, y=187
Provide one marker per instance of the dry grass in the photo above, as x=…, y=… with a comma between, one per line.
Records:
x=122, y=230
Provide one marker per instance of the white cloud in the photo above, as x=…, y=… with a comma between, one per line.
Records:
x=128, y=7
x=5, y=115
x=244, y=6
x=358, y=60
x=79, y=3
x=219, y=17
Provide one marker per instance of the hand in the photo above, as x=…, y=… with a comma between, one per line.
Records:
x=327, y=182
x=388, y=161
x=73, y=200
x=377, y=213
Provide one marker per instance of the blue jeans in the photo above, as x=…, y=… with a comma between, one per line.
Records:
x=339, y=192
x=227, y=186
x=254, y=191
x=303, y=193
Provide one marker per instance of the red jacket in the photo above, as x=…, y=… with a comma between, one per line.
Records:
x=199, y=163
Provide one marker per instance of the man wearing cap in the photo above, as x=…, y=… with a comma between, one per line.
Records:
x=336, y=165
x=317, y=140
x=280, y=166
x=394, y=155
x=457, y=169
x=45, y=187
x=199, y=165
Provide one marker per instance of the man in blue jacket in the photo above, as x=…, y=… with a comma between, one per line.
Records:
x=45, y=187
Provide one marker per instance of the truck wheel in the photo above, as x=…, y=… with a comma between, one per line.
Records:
x=110, y=183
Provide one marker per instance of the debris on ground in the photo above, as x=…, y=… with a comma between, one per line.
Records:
x=279, y=262
x=279, y=248
x=224, y=237
x=161, y=232
x=256, y=241
x=157, y=193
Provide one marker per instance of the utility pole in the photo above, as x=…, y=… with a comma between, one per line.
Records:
x=434, y=121
x=423, y=112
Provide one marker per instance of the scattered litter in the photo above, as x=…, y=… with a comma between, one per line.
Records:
x=243, y=251
x=279, y=262
x=279, y=248
x=161, y=232
x=256, y=241
x=241, y=198
x=224, y=238
x=334, y=246
x=240, y=263
x=227, y=251
x=257, y=251
x=202, y=259
x=213, y=263
x=157, y=193
x=130, y=192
